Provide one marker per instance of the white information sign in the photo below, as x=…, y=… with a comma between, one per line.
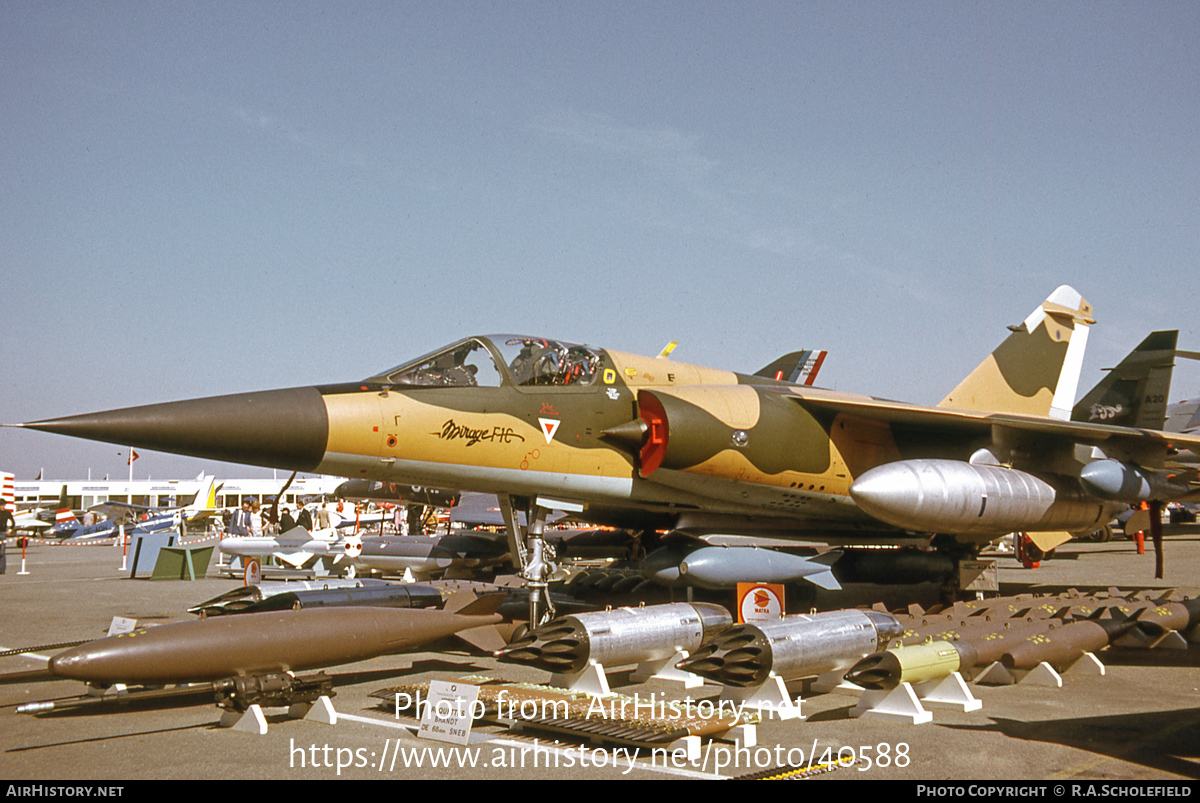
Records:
x=448, y=712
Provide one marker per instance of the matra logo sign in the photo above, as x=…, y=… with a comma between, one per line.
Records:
x=760, y=602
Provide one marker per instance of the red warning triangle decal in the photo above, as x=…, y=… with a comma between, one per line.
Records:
x=549, y=427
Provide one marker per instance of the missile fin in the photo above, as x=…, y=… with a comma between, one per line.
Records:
x=824, y=580
x=486, y=639
x=483, y=606
x=828, y=558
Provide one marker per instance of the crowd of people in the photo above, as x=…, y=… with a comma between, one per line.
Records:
x=253, y=520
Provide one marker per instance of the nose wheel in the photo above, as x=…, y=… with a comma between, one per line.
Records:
x=531, y=555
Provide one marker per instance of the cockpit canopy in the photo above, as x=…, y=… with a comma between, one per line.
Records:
x=487, y=361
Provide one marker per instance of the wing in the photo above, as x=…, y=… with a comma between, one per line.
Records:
x=1005, y=429
x=112, y=510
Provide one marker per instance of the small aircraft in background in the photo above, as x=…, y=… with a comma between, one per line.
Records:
x=202, y=507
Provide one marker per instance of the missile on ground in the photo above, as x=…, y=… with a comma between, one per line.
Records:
x=796, y=646
x=238, y=599
x=618, y=637
x=245, y=547
x=296, y=540
x=1156, y=617
x=932, y=660
x=347, y=593
x=1064, y=606
x=967, y=499
x=721, y=567
x=264, y=643
x=989, y=637
x=423, y=556
x=375, y=491
x=1063, y=646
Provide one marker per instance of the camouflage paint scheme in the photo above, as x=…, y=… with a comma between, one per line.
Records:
x=675, y=444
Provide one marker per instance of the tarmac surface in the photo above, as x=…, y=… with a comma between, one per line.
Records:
x=1140, y=721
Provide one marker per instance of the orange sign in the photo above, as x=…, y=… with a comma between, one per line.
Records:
x=760, y=602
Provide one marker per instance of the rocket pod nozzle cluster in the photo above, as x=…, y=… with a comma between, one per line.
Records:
x=801, y=645
x=617, y=637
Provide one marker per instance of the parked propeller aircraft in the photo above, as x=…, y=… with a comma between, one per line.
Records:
x=157, y=519
x=549, y=424
x=36, y=519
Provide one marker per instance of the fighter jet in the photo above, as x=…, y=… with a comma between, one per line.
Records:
x=549, y=424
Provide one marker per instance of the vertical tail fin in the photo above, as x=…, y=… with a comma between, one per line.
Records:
x=1035, y=371
x=65, y=522
x=1134, y=394
x=206, y=496
x=797, y=367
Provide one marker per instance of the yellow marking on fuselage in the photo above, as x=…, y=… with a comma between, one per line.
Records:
x=642, y=372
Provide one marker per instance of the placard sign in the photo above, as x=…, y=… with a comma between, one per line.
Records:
x=448, y=712
x=760, y=602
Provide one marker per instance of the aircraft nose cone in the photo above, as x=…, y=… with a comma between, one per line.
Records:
x=275, y=428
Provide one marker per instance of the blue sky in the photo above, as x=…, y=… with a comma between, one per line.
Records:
x=207, y=198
